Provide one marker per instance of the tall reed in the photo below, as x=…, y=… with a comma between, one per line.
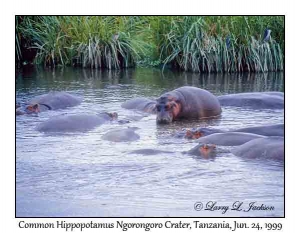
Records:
x=190, y=43
x=95, y=42
x=201, y=45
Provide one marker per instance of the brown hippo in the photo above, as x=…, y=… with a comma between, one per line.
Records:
x=75, y=123
x=257, y=100
x=51, y=101
x=187, y=102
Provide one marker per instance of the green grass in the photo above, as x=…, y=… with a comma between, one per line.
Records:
x=189, y=43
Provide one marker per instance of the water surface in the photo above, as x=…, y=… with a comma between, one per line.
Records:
x=79, y=174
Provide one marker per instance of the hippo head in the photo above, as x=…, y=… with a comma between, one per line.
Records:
x=113, y=115
x=204, y=150
x=207, y=150
x=166, y=110
x=193, y=134
x=34, y=108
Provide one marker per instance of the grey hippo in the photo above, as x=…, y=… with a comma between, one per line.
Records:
x=75, y=123
x=204, y=150
x=271, y=148
x=141, y=104
x=265, y=130
x=150, y=152
x=122, y=135
x=186, y=102
x=265, y=148
x=257, y=100
x=51, y=101
x=229, y=139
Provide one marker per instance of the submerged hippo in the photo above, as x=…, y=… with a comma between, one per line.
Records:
x=196, y=133
x=266, y=130
x=229, y=138
x=141, y=104
x=258, y=100
x=150, y=152
x=51, y=101
x=122, y=135
x=265, y=148
x=75, y=123
x=204, y=150
x=187, y=102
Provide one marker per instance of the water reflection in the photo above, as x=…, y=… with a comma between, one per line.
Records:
x=95, y=78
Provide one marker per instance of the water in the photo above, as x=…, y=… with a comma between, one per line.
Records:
x=81, y=175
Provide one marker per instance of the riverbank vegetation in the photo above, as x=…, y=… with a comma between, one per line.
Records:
x=189, y=43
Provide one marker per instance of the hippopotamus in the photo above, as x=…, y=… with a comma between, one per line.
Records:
x=229, y=138
x=266, y=148
x=186, y=102
x=266, y=130
x=75, y=123
x=122, y=135
x=196, y=133
x=204, y=150
x=150, y=152
x=51, y=101
x=257, y=100
x=141, y=104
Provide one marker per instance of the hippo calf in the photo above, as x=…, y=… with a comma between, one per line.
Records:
x=257, y=100
x=75, y=123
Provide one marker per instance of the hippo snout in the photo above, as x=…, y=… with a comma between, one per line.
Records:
x=165, y=120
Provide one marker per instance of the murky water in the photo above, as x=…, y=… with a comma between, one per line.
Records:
x=82, y=175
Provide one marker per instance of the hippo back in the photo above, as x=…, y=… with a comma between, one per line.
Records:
x=229, y=138
x=141, y=104
x=269, y=130
x=56, y=100
x=264, y=148
x=71, y=123
x=255, y=99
